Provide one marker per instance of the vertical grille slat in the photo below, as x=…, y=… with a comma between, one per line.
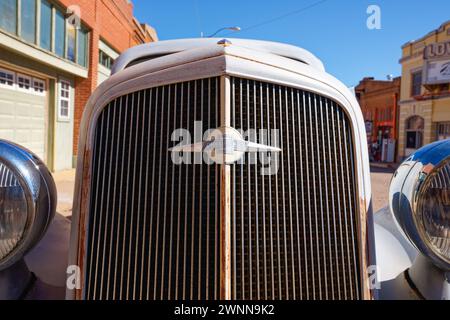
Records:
x=306, y=213
x=179, y=212
x=349, y=165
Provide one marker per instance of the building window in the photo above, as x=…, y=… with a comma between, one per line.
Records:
x=64, y=100
x=39, y=86
x=60, y=34
x=105, y=60
x=443, y=131
x=8, y=15
x=71, y=32
x=46, y=26
x=414, y=132
x=82, y=47
x=55, y=34
x=7, y=79
x=23, y=82
x=28, y=20
x=416, y=83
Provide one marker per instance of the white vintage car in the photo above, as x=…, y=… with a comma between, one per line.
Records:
x=283, y=210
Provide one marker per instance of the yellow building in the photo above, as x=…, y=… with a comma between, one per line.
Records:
x=425, y=96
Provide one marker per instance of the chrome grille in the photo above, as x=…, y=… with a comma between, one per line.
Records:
x=153, y=225
x=294, y=234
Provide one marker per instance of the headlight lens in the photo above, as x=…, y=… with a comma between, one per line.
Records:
x=13, y=211
x=433, y=211
x=419, y=198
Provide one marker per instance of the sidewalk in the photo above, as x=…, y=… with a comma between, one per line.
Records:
x=65, y=183
x=385, y=165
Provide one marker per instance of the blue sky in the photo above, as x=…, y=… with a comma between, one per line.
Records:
x=334, y=30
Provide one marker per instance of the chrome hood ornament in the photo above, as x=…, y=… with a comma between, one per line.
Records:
x=225, y=145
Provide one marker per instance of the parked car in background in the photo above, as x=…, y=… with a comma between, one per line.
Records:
x=282, y=212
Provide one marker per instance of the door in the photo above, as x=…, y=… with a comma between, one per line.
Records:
x=414, y=134
x=23, y=111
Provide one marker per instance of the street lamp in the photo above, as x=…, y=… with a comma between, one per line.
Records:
x=225, y=28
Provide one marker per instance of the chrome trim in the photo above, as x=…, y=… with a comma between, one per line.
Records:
x=40, y=192
x=405, y=192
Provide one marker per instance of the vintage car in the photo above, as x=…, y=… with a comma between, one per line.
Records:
x=224, y=169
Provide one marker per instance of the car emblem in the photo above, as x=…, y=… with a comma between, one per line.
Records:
x=225, y=145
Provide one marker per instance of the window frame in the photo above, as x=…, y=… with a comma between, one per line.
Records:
x=44, y=87
x=86, y=32
x=56, y=10
x=414, y=73
x=75, y=42
x=446, y=126
x=17, y=20
x=54, y=38
x=24, y=76
x=7, y=86
x=103, y=56
x=61, y=117
x=37, y=4
x=39, y=24
x=419, y=132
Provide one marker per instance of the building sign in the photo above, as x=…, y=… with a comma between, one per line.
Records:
x=437, y=66
x=437, y=50
x=437, y=72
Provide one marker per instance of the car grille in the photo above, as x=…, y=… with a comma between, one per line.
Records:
x=154, y=227
x=294, y=233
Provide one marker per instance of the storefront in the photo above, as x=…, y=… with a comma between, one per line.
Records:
x=425, y=95
x=378, y=100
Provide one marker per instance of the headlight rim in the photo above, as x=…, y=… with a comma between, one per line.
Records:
x=40, y=195
x=19, y=250
x=405, y=190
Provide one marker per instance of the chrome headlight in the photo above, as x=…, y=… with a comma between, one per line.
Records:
x=27, y=202
x=420, y=201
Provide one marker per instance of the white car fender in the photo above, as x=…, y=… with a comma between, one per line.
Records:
x=394, y=252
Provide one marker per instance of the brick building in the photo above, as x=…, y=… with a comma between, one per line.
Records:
x=379, y=104
x=53, y=54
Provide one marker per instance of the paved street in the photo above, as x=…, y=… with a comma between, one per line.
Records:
x=381, y=178
x=65, y=181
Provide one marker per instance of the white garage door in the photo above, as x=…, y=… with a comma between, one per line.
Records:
x=23, y=111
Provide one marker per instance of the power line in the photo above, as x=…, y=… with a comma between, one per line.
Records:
x=315, y=4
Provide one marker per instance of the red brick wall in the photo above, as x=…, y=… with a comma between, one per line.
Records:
x=112, y=21
x=378, y=101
